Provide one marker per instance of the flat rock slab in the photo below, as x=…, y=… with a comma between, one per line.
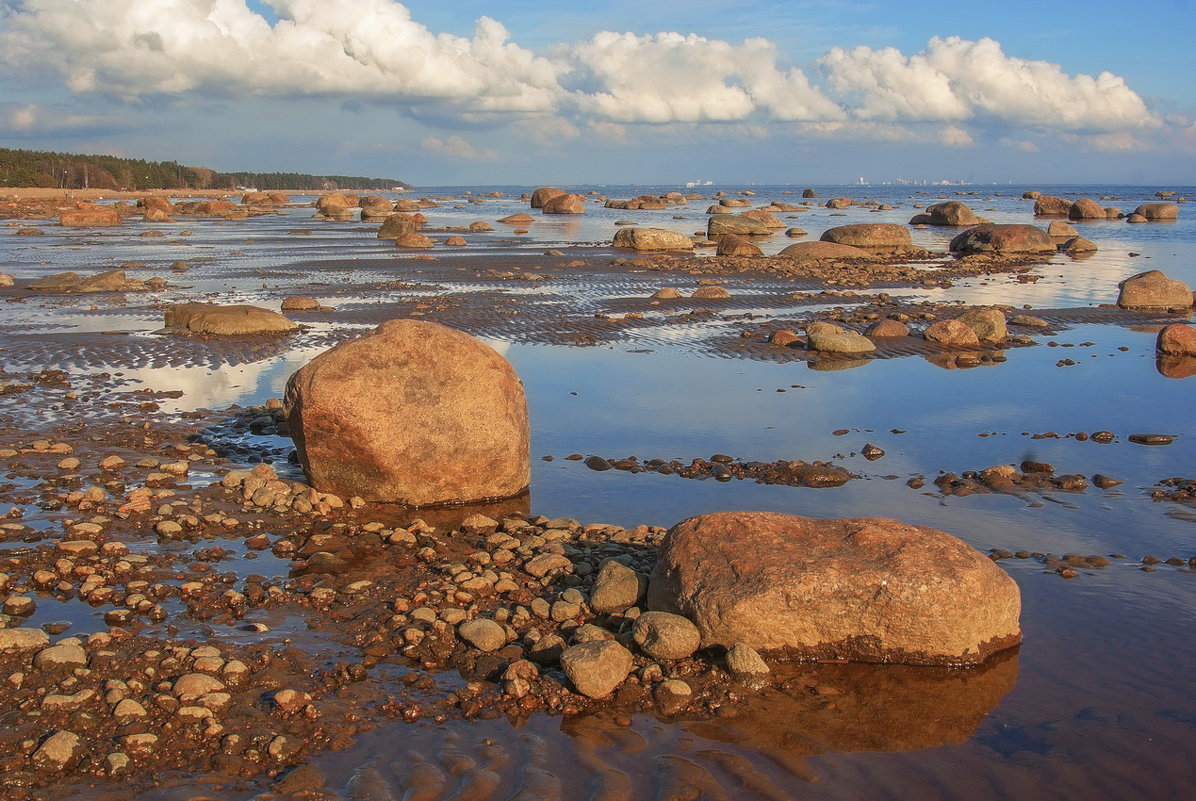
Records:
x=859, y=589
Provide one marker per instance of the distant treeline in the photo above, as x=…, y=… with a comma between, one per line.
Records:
x=73, y=171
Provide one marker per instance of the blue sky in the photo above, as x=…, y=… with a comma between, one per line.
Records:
x=489, y=92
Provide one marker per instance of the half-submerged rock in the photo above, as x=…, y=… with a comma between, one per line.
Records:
x=880, y=238
x=1154, y=290
x=644, y=239
x=860, y=589
x=414, y=413
x=210, y=318
x=1003, y=239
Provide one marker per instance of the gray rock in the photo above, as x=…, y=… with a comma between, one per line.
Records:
x=483, y=634
x=23, y=639
x=617, y=587
x=743, y=660
x=68, y=654
x=58, y=751
x=830, y=338
x=663, y=635
x=596, y=668
x=989, y=324
x=547, y=650
x=545, y=563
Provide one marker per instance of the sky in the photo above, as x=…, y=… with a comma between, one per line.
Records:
x=486, y=92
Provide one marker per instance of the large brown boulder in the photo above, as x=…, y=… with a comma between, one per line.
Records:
x=736, y=245
x=839, y=203
x=1086, y=209
x=256, y=199
x=544, y=194
x=875, y=237
x=1051, y=206
x=1003, y=239
x=950, y=213
x=397, y=225
x=825, y=251
x=952, y=332
x=331, y=201
x=859, y=589
x=769, y=219
x=373, y=206
x=1154, y=290
x=651, y=239
x=90, y=217
x=1158, y=211
x=1177, y=339
x=156, y=202
x=830, y=338
x=210, y=318
x=720, y=224
x=988, y=324
x=414, y=413
x=565, y=204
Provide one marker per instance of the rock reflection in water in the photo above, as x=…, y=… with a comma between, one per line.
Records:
x=966, y=360
x=834, y=365
x=754, y=750
x=857, y=707
x=1176, y=366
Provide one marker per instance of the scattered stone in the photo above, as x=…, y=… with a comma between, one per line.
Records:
x=883, y=329
x=736, y=245
x=988, y=324
x=662, y=635
x=745, y=660
x=483, y=634
x=58, y=752
x=831, y=338
x=616, y=588
x=711, y=293
x=596, y=668
x=951, y=332
x=22, y=640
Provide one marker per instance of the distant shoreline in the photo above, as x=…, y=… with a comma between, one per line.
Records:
x=54, y=193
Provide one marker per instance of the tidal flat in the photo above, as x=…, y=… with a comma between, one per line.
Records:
x=153, y=508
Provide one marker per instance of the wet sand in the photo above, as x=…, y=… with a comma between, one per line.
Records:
x=1091, y=706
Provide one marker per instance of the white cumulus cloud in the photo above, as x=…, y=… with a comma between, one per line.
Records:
x=674, y=78
x=955, y=79
x=33, y=119
x=370, y=49
x=373, y=51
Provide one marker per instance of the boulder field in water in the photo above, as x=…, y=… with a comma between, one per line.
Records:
x=414, y=413
x=860, y=589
